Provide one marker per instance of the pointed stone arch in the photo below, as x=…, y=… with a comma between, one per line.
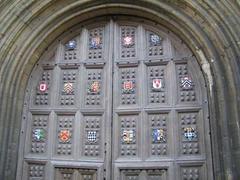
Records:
x=206, y=27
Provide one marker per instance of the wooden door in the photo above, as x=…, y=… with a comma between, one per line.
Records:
x=116, y=100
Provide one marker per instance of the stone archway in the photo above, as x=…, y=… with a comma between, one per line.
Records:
x=26, y=34
x=141, y=86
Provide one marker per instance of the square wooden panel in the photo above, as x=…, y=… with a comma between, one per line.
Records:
x=128, y=42
x=68, y=87
x=43, y=88
x=92, y=136
x=39, y=133
x=68, y=173
x=158, y=136
x=190, y=133
x=96, y=43
x=157, y=82
x=128, y=136
x=192, y=171
x=128, y=86
x=146, y=174
x=34, y=170
x=94, y=88
x=64, y=138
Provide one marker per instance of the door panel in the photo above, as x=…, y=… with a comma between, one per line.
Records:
x=116, y=100
x=158, y=135
x=157, y=109
x=128, y=137
x=65, y=136
x=127, y=42
x=75, y=174
x=157, y=85
x=128, y=86
x=92, y=135
x=148, y=174
x=68, y=87
x=94, y=83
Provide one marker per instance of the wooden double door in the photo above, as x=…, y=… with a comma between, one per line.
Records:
x=116, y=100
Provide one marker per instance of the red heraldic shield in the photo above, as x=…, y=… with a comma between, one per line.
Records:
x=64, y=135
x=157, y=84
x=127, y=85
x=43, y=87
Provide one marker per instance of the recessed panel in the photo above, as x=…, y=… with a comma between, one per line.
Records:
x=128, y=42
x=154, y=44
x=92, y=134
x=128, y=136
x=75, y=174
x=145, y=174
x=35, y=171
x=43, y=88
x=158, y=134
x=189, y=133
x=128, y=86
x=94, y=88
x=96, y=43
x=39, y=134
x=186, y=86
x=157, y=82
x=64, y=141
x=68, y=87
x=70, y=51
x=192, y=171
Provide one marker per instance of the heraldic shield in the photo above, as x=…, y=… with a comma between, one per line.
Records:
x=128, y=136
x=157, y=84
x=158, y=136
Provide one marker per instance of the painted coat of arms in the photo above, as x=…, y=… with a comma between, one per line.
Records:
x=43, y=86
x=71, y=45
x=127, y=41
x=92, y=136
x=128, y=87
x=68, y=88
x=95, y=42
x=186, y=83
x=157, y=84
x=94, y=87
x=158, y=136
x=39, y=134
x=155, y=40
x=190, y=133
x=64, y=135
x=128, y=136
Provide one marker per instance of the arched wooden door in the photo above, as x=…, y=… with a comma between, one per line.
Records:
x=116, y=100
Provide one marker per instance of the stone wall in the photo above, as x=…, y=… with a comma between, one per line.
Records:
x=211, y=29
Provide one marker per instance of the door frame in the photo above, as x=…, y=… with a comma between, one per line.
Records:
x=223, y=111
